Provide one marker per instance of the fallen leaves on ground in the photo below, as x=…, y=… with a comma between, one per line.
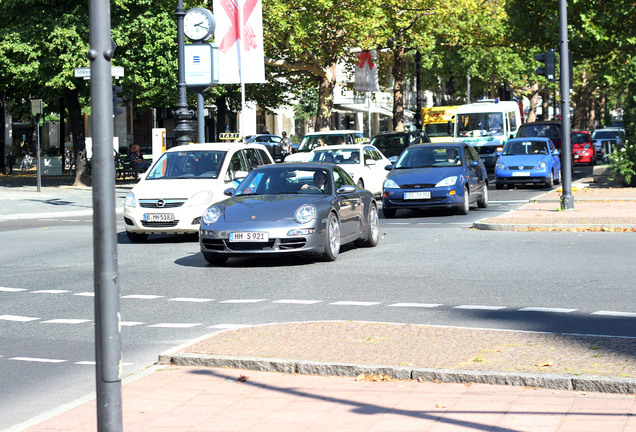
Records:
x=243, y=378
x=374, y=378
x=544, y=364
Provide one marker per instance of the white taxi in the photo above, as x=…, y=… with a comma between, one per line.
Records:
x=172, y=195
x=364, y=163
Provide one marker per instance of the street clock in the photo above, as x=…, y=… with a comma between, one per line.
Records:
x=198, y=24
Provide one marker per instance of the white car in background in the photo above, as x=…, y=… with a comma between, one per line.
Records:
x=364, y=163
x=172, y=195
x=325, y=138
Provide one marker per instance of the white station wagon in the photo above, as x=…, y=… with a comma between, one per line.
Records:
x=173, y=194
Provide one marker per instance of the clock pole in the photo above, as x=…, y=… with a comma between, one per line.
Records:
x=183, y=130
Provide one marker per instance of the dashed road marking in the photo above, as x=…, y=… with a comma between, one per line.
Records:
x=544, y=309
x=291, y=301
x=416, y=305
x=85, y=294
x=142, y=296
x=7, y=289
x=49, y=291
x=66, y=321
x=479, y=307
x=615, y=314
x=39, y=360
x=175, y=325
x=230, y=326
x=243, y=301
x=17, y=318
x=354, y=303
x=131, y=323
x=190, y=299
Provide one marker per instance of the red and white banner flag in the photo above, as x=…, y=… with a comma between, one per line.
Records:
x=367, y=72
x=232, y=54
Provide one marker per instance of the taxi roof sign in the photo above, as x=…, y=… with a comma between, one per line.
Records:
x=229, y=136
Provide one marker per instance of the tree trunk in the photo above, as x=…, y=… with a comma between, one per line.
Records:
x=398, y=88
x=325, y=98
x=545, y=104
x=534, y=99
x=591, y=120
x=82, y=176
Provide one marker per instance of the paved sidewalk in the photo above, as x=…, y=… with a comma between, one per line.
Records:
x=351, y=376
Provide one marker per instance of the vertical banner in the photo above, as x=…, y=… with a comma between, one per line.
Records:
x=233, y=54
x=367, y=72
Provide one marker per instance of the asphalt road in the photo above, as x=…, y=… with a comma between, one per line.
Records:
x=429, y=268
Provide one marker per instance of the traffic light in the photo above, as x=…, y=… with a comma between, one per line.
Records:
x=117, y=101
x=549, y=70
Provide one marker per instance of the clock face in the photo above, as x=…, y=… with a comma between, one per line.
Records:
x=197, y=24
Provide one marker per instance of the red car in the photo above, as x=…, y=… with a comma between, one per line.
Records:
x=583, y=151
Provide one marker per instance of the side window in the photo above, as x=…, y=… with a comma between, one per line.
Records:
x=341, y=178
x=513, y=122
x=473, y=153
x=236, y=164
x=368, y=154
x=252, y=157
x=264, y=156
x=467, y=155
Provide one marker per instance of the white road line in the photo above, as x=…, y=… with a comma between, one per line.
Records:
x=17, y=318
x=49, y=291
x=7, y=289
x=190, y=299
x=142, y=296
x=39, y=360
x=479, y=307
x=543, y=309
x=291, y=301
x=85, y=294
x=615, y=313
x=354, y=303
x=131, y=323
x=243, y=301
x=93, y=363
x=229, y=326
x=175, y=325
x=415, y=305
x=66, y=321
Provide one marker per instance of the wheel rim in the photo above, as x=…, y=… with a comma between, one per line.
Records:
x=484, y=196
x=466, y=200
x=374, y=223
x=334, y=236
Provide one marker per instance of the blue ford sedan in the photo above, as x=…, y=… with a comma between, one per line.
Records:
x=439, y=175
x=528, y=160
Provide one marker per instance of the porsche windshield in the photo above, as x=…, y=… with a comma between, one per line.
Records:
x=283, y=181
x=188, y=164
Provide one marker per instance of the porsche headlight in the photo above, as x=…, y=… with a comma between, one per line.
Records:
x=211, y=215
x=130, y=200
x=448, y=181
x=200, y=198
x=390, y=184
x=305, y=213
x=541, y=165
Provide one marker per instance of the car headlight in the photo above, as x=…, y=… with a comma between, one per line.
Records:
x=541, y=165
x=501, y=166
x=448, y=181
x=200, y=198
x=211, y=215
x=390, y=184
x=130, y=200
x=305, y=213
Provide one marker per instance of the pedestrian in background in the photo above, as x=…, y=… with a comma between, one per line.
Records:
x=136, y=159
x=285, y=146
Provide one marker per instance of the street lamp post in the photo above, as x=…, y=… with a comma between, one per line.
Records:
x=183, y=130
x=418, y=88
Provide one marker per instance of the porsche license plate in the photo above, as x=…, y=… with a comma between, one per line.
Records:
x=417, y=195
x=249, y=237
x=159, y=217
x=521, y=174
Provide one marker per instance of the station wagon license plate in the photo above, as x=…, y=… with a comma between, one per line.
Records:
x=521, y=174
x=249, y=237
x=417, y=195
x=158, y=217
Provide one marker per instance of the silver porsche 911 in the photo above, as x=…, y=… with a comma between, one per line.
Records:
x=300, y=208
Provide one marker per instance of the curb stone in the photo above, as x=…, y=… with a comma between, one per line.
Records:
x=549, y=381
x=548, y=226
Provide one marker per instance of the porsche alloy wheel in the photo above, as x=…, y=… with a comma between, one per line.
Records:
x=332, y=240
x=373, y=230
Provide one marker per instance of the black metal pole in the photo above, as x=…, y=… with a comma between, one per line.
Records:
x=567, y=200
x=183, y=130
x=418, y=88
x=107, y=313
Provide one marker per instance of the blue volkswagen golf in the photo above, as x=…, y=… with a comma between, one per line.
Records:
x=439, y=175
x=528, y=160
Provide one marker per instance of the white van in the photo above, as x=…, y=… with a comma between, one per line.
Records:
x=487, y=125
